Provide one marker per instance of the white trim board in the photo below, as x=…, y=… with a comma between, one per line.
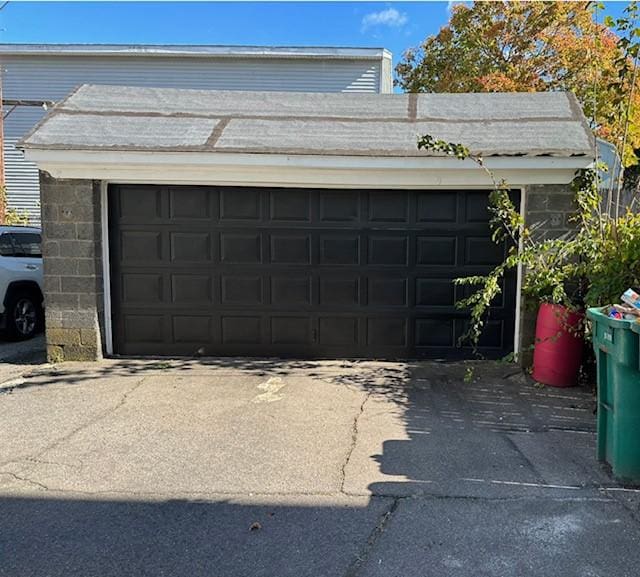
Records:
x=519, y=277
x=106, y=267
x=233, y=169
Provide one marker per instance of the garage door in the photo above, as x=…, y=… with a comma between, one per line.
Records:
x=299, y=272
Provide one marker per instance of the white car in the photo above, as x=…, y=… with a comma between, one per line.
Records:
x=21, y=304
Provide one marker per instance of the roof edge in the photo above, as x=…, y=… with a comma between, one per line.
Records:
x=196, y=51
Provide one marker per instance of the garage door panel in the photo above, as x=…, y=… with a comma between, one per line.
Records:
x=476, y=207
x=138, y=203
x=483, y=251
x=291, y=290
x=286, y=272
x=191, y=289
x=388, y=292
x=144, y=328
x=290, y=205
x=435, y=332
x=141, y=246
x=241, y=330
x=140, y=288
x=195, y=329
x=389, y=206
x=435, y=292
x=437, y=250
x=240, y=248
x=191, y=247
x=287, y=330
x=342, y=206
x=339, y=249
x=190, y=203
x=290, y=249
x=242, y=289
x=388, y=250
x=339, y=291
x=437, y=206
x=338, y=331
x=235, y=206
x=387, y=331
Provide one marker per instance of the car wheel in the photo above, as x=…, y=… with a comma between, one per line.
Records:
x=24, y=316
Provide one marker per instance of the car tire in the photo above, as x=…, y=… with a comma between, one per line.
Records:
x=24, y=316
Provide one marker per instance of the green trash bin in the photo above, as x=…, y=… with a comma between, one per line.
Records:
x=616, y=345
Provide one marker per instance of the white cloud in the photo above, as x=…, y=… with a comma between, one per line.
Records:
x=389, y=17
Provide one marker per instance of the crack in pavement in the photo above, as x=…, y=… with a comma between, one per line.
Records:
x=43, y=462
x=35, y=458
x=354, y=440
x=364, y=554
x=25, y=480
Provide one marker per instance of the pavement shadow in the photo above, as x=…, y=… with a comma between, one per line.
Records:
x=484, y=429
x=492, y=437
x=108, y=538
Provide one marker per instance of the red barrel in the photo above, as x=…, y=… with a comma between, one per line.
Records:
x=558, y=351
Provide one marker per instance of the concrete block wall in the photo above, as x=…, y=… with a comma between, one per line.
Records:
x=548, y=210
x=71, y=246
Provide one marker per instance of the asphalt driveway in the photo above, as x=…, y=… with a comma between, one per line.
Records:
x=264, y=468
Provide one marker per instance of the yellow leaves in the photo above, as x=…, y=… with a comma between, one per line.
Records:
x=498, y=82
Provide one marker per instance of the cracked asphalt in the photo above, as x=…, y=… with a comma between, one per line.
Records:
x=291, y=468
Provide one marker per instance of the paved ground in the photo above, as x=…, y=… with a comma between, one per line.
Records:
x=262, y=468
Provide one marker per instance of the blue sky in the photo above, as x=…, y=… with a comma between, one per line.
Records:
x=394, y=25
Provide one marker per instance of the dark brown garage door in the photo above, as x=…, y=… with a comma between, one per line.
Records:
x=298, y=272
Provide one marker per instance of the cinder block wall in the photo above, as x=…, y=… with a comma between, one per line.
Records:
x=71, y=235
x=548, y=209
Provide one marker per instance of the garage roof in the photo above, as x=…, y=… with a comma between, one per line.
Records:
x=124, y=118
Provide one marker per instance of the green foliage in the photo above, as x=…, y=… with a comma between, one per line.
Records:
x=427, y=142
x=614, y=261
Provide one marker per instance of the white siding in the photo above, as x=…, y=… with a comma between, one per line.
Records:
x=52, y=77
x=22, y=183
x=23, y=189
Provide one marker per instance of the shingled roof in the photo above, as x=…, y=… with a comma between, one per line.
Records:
x=96, y=117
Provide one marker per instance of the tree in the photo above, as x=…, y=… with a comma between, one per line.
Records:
x=518, y=46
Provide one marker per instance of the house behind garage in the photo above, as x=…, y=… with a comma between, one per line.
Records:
x=179, y=222
x=44, y=73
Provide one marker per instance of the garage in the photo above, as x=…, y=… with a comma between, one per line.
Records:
x=299, y=272
x=213, y=223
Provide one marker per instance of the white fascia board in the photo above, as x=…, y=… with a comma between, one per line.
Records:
x=195, y=51
x=301, y=170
